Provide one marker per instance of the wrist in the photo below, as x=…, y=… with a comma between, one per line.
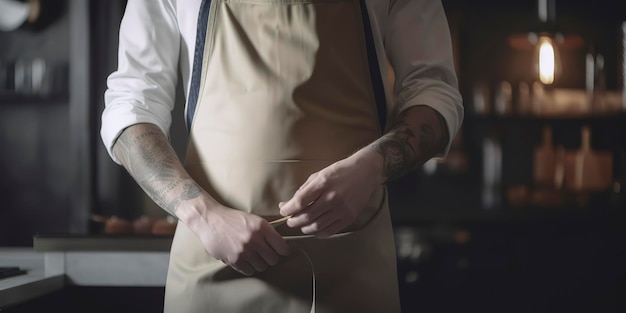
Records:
x=195, y=213
x=368, y=158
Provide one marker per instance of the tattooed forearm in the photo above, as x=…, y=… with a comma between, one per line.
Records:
x=148, y=156
x=169, y=187
x=190, y=191
x=397, y=150
x=417, y=135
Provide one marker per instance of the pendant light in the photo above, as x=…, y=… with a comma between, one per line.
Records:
x=547, y=60
x=546, y=41
x=546, y=55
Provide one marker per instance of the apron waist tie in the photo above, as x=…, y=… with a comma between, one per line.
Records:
x=280, y=221
x=312, y=273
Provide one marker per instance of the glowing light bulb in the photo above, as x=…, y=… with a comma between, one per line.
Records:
x=546, y=60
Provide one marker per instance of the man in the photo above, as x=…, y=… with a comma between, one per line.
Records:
x=286, y=110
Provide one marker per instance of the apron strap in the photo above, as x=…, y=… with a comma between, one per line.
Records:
x=198, y=54
x=375, y=75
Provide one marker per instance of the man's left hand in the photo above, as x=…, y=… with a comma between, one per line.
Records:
x=336, y=196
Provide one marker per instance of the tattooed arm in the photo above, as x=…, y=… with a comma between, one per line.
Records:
x=417, y=135
x=336, y=197
x=245, y=242
x=148, y=156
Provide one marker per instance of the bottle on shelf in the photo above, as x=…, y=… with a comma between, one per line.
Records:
x=492, y=173
x=586, y=169
x=547, y=173
x=545, y=160
x=503, y=98
x=481, y=98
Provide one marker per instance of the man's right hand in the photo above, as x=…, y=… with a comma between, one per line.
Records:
x=244, y=241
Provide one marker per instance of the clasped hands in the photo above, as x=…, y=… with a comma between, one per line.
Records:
x=328, y=202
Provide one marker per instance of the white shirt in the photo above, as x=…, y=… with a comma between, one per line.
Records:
x=157, y=39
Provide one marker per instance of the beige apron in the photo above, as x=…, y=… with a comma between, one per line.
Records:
x=285, y=91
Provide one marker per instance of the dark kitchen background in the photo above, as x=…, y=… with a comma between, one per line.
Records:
x=525, y=215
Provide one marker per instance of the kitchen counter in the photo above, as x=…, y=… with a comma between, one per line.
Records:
x=35, y=283
x=134, y=243
x=56, y=261
x=105, y=260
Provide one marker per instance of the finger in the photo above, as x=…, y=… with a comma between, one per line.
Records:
x=320, y=223
x=276, y=242
x=243, y=267
x=311, y=213
x=256, y=261
x=267, y=254
x=301, y=199
x=304, y=185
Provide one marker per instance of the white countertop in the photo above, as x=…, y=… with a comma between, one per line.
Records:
x=48, y=271
x=34, y=283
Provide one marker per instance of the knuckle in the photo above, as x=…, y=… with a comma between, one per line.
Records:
x=331, y=197
x=254, y=225
x=300, y=202
x=323, y=180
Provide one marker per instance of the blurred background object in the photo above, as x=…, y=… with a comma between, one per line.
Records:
x=14, y=14
x=29, y=14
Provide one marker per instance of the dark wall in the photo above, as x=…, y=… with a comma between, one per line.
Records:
x=34, y=141
x=36, y=144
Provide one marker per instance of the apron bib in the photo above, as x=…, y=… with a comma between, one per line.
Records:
x=284, y=91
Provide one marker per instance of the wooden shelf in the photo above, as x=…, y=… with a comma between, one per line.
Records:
x=535, y=119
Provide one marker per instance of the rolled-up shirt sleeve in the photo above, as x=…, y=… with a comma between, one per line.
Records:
x=142, y=89
x=418, y=46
